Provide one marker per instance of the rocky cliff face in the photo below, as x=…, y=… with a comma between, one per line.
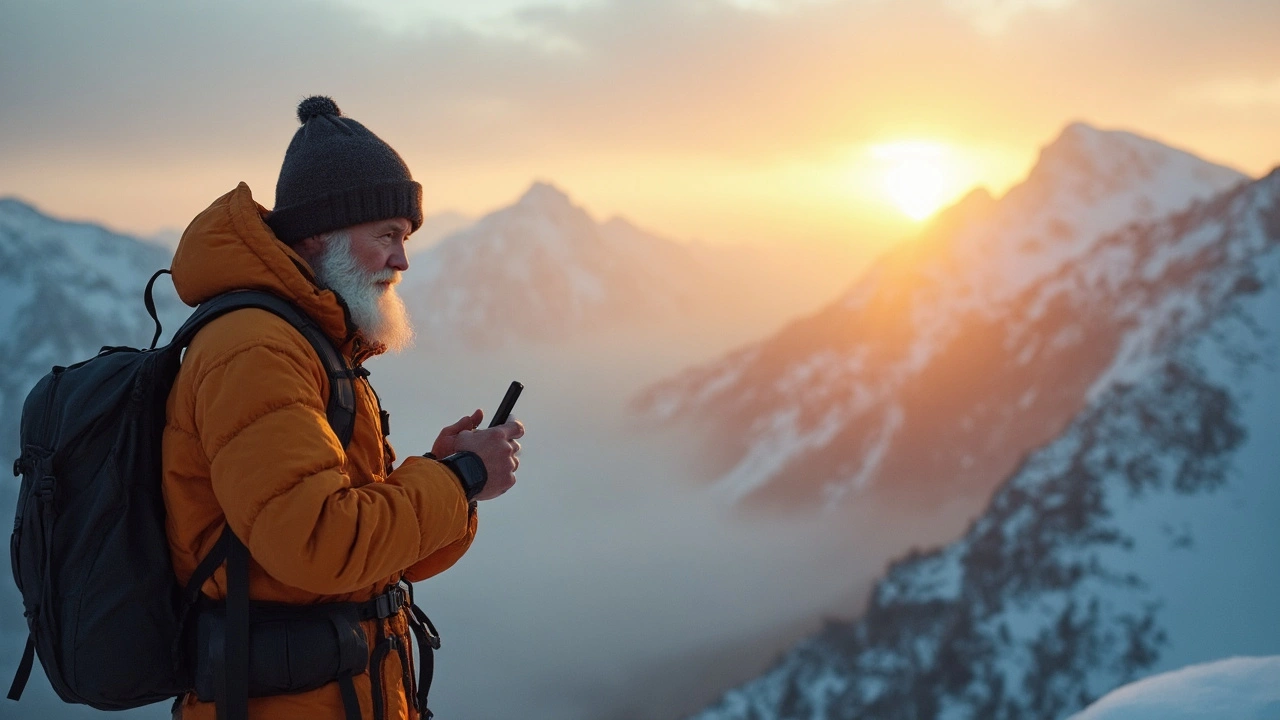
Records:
x=1142, y=538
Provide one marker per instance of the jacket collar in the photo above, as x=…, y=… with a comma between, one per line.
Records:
x=230, y=247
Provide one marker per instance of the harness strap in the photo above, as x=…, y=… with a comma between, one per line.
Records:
x=381, y=607
x=350, y=701
x=216, y=555
x=232, y=684
x=428, y=641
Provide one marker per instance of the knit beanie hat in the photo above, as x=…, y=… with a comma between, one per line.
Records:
x=337, y=174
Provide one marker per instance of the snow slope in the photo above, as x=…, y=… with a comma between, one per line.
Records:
x=955, y=354
x=1143, y=538
x=1231, y=689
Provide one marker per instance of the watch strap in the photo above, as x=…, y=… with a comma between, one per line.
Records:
x=470, y=470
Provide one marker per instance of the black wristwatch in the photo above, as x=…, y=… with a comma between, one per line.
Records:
x=470, y=471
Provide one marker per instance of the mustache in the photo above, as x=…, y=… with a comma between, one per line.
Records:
x=388, y=275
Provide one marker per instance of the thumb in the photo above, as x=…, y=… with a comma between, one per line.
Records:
x=466, y=422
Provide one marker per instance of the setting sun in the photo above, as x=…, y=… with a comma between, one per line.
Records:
x=919, y=176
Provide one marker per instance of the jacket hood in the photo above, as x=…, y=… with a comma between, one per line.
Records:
x=230, y=247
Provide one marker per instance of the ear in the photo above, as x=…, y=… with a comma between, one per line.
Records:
x=310, y=247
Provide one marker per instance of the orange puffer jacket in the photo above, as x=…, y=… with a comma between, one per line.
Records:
x=247, y=443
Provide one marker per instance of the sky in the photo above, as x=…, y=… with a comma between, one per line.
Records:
x=845, y=121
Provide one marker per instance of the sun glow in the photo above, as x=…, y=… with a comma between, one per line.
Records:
x=918, y=177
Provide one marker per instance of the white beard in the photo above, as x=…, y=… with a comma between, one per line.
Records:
x=376, y=309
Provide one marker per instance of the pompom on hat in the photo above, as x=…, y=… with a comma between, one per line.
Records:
x=337, y=174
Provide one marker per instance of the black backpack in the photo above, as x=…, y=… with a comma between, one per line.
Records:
x=89, y=551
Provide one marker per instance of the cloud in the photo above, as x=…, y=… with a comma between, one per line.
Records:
x=659, y=109
x=994, y=17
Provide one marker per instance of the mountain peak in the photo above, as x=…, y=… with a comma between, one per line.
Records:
x=544, y=194
x=12, y=205
x=1089, y=164
x=1082, y=149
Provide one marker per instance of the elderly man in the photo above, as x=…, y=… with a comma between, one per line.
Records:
x=248, y=447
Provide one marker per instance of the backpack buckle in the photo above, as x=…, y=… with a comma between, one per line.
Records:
x=17, y=465
x=389, y=602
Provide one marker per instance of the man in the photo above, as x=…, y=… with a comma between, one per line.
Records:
x=247, y=444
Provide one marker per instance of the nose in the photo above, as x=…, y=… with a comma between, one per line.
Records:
x=398, y=259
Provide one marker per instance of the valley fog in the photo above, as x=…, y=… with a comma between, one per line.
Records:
x=610, y=582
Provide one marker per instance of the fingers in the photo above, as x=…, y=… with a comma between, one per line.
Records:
x=466, y=422
x=513, y=429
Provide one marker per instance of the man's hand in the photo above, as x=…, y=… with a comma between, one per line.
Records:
x=446, y=442
x=498, y=448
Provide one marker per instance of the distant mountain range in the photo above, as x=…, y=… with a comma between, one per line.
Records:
x=956, y=353
x=544, y=270
x=67, y=289
x=1141, y=538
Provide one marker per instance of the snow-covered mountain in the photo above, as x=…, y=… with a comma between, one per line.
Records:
x=1142, y=539
x=67, y=289
x=544, y=270
x=956, y=353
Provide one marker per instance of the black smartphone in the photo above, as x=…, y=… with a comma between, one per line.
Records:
x=508, y=402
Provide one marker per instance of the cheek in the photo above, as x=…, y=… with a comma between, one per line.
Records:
x=371, y=259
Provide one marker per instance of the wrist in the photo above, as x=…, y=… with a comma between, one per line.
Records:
x=469, y=470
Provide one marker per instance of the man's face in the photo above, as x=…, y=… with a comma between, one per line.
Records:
x=379, y=245
x=362, y=264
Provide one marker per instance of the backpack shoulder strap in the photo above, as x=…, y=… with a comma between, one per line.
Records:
x=233, y=685
x=341, y=405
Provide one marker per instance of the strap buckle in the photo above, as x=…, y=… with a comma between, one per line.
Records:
x=389, y=603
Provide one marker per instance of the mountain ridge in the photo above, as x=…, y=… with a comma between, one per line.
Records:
x=861, y=394
x=542, y=269
x=1140, y=539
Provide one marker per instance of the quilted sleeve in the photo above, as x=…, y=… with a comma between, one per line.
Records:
x=277, y=472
